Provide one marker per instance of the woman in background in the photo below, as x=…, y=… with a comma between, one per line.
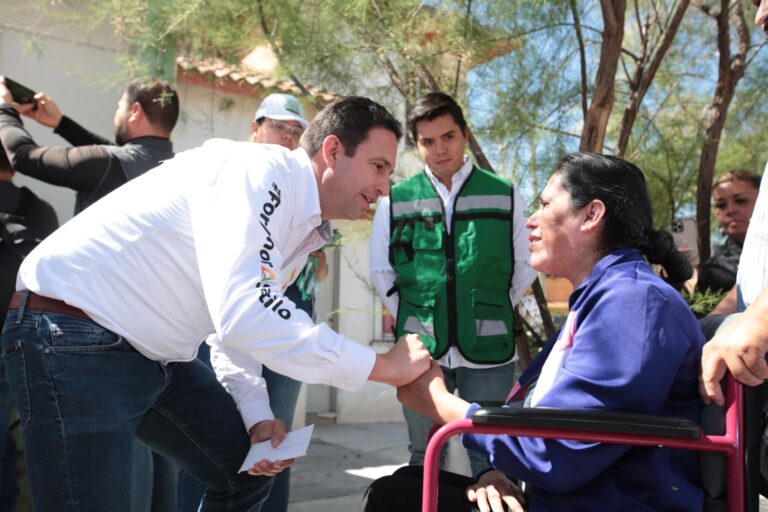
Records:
x=734, y=195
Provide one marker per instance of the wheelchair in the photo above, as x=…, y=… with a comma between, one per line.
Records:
x=731, y=481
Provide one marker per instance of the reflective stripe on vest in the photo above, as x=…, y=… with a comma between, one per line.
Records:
x=484, y=202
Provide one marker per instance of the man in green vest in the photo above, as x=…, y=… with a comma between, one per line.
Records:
x=449, y=258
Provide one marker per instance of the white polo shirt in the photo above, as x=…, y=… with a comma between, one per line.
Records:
x=203, y=244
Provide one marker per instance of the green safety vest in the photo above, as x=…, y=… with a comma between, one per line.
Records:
x=453, y=286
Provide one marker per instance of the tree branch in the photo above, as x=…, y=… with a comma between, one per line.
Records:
x=394, y=76
x=458, y=61
x=582, y=58
x=278, y=54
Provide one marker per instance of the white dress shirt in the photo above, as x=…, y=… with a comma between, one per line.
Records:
x=383, y=275
x=752, y=275
x=203, y=244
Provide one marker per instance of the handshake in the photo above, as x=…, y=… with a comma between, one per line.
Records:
x=404, y=362
x=418, y=379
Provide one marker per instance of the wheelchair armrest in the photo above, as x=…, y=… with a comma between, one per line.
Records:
x=588, y=420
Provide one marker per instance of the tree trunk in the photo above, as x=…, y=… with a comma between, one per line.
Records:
x=644, y=74
x=730, y=71
x=596, y=122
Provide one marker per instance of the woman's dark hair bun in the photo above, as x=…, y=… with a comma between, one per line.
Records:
x=662, y=251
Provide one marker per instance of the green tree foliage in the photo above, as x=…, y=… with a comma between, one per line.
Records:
x=525, y=68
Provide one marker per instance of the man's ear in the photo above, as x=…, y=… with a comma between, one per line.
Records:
x=594, y=214
x=136, y=112
x=332, y=149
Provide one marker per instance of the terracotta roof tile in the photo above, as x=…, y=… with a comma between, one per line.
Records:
x=240, y=79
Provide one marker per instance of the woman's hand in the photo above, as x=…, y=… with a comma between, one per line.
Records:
x=428, y=395
x=493, y=491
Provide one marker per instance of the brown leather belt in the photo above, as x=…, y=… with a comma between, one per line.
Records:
x=44, y=304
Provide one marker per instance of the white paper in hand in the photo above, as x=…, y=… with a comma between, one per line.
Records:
x=294, y=445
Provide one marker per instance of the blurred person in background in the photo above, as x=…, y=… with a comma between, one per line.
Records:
x=734, y=195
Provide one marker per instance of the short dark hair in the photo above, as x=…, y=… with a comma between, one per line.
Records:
x=628, y=220
x=350, y=119
x=750, y=177
x=158, y=100
x=433, y=105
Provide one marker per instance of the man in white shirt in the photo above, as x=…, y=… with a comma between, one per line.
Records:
x=449, y=258
x=741, y=344
x=100, y=340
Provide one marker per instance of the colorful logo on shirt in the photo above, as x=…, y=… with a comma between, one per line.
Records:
x=267, y=274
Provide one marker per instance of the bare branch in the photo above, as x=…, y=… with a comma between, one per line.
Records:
x=582, y=57
x=757, y=50
x=270, y=38
x=458, y=61
x=394, y=76
x=643, y=33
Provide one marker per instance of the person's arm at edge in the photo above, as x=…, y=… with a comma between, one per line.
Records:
x=739, y=346
x=727, y=305
x=81, y=168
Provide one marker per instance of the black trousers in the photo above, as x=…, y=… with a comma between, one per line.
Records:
x=401, y=492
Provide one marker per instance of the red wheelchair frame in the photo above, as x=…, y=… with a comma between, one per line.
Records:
x=614, y=428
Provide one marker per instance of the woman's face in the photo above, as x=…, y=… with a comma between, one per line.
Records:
x=734, y=201
x=556, y=241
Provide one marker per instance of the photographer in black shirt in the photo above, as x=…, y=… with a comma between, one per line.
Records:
x=146, y=114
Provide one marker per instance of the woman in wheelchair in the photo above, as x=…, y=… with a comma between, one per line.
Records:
x=630, y=343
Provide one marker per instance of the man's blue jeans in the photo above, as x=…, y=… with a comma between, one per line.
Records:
x=474, y=385
x=83, y=393
x=283, y=393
